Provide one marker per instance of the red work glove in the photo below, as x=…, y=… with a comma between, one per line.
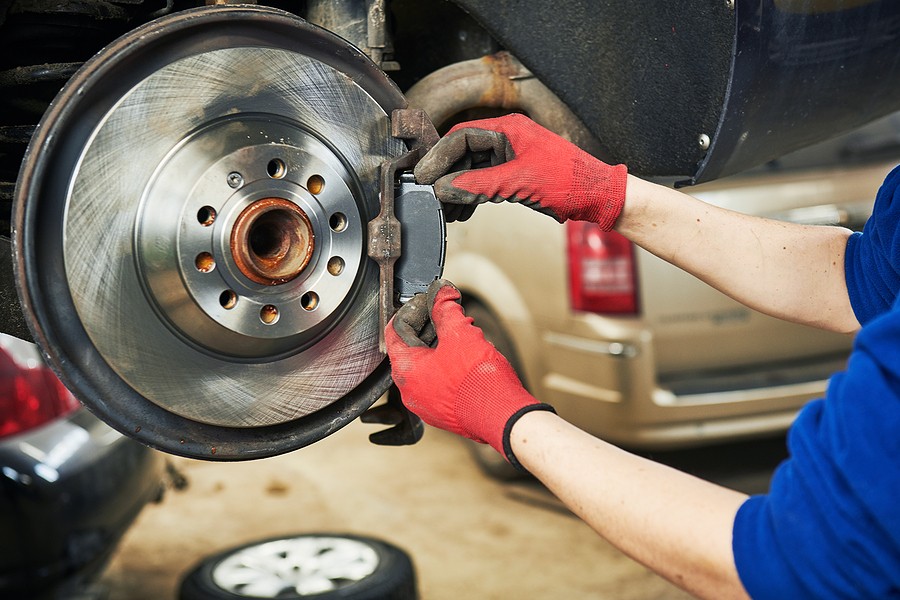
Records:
x=525, y=163
x=463, y=384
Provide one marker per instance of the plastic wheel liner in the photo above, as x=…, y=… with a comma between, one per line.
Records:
x=189, y=229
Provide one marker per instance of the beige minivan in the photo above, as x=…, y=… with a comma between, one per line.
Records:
x=640, y=353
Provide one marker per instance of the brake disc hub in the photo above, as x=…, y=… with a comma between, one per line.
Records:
x=267, y=248
x=272, y=242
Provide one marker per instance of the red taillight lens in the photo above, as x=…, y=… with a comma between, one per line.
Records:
x=30, y=396
x=601, y=270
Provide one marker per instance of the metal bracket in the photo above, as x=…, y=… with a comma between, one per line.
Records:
x=414, y=126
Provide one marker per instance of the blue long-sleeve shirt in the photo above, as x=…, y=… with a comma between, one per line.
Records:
x=830, y=525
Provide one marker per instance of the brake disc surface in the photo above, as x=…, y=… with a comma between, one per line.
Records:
x=190, y=230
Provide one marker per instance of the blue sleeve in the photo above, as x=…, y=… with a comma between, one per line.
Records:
x=830, y=525
x=872, y=260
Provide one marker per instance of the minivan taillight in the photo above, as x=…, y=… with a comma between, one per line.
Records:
x=601, y=270
x=30, y=396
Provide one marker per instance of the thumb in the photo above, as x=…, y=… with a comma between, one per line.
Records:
x=395, y=344
x=506, y=181
x=448, y=192
x=447, y=313
x=409, y=322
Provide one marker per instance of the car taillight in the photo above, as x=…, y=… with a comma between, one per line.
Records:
x=30, y=396
x=601, y=270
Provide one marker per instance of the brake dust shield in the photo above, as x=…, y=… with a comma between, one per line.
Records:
x=190, y=229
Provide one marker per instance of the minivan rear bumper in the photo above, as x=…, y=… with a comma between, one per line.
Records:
x=611, y=390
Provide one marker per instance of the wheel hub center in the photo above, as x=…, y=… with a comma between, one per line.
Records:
x=272, y=241
x=262, y=260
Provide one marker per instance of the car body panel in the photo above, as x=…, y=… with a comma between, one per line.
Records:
x=68, y=490
x=686, y=314
x=757, y=78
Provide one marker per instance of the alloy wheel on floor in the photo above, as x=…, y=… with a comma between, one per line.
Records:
x=308, y=566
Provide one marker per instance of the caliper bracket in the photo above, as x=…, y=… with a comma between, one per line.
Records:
x=413, y=126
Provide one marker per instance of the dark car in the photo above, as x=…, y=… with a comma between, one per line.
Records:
x=69, y=484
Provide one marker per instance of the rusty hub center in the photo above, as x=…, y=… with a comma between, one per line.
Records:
x=272, y=241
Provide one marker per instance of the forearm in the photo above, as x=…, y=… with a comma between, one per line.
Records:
x=790, y=271
x=675, y=524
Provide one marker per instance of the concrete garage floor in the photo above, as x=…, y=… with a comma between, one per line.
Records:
x=469, y=536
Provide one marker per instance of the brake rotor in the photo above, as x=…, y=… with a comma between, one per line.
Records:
x=190, y=232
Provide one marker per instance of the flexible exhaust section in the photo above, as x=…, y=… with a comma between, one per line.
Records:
x=497, y=81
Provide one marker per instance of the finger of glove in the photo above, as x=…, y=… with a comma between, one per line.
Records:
x=512, y=125
x=435, y=288
x=449, y=194
x=392, y=340
x=460, y=145
x=427, y=333
x=397, y=348
x=509, y=181
x=554, y=213
x=453, y=212
x=466, y=212
x=407, y=362
x=457, y=212
x=474, y=160
x=454, y=329
x=504, y=182
x=410, y=321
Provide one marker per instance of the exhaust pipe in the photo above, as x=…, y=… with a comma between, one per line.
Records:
x=497, y=81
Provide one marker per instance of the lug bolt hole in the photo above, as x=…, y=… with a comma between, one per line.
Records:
x=228, y=299
x=338, y=222
x=309, y=301
x=205, y=262
x=315, y=184
x=206, y=216
x=268, y=314
x=335, y=265
x=276, y=168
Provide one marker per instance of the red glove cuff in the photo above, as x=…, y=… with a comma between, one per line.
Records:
x=507, y=430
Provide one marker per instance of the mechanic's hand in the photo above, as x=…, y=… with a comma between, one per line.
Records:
x=524, y=163
x=463, y=384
